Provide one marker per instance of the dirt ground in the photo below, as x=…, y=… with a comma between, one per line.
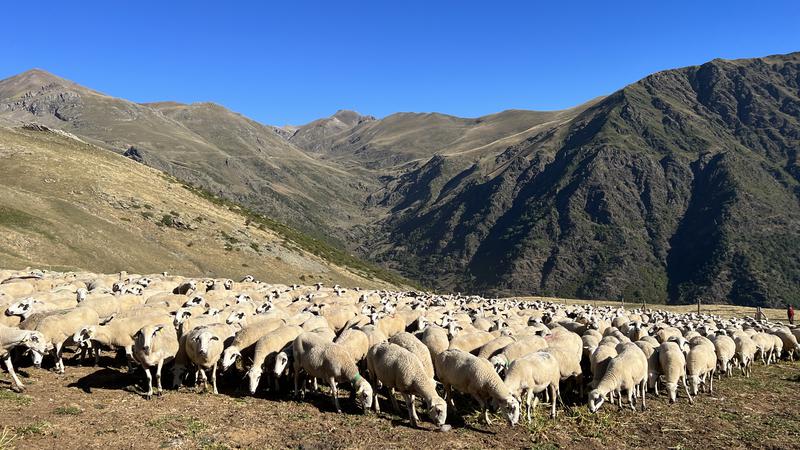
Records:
x=100, y=408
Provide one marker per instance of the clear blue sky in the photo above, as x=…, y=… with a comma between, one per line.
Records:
x=291, y=62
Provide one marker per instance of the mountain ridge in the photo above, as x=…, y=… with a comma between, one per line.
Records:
x=681, y=186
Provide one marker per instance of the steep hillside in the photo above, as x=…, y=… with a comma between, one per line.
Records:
x=203, y=144
x=67, y=204
x=682, y=186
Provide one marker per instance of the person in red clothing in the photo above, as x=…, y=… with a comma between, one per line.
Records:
x=790, y=313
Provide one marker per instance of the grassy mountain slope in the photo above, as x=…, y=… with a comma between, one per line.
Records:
x=678, y=187
x=67, y=204
x=203, y=144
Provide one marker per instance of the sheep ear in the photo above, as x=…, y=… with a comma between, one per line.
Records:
x=214, y=338
x=158, y=328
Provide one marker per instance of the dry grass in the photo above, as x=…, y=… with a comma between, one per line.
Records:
x=67, y=205
x=743, y=413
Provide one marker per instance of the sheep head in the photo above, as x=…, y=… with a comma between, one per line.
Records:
x=596, y=400
x=510, y=407
x=437, y=411
x=281, y=361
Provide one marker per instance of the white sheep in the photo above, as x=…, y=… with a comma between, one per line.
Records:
x=701, y=362
x=532, y=374
x=11, y=338
x=247, y=337
x=267, y=347
x=475, y=377
x=417, y=348
x=725, y=348
x=400, y=370
x=320, y=358
x=673, y=367
x=58, y=329
x=626, y=372
x=154, y=346
x=203, y=346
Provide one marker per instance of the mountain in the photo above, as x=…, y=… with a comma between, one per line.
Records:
x=203, y=144
x=683, y=186
x=69, y=205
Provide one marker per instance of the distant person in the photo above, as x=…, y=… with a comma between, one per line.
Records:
x=790, y=313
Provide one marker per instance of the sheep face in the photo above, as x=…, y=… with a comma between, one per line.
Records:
x=144, y=338
x=510, y=408
x=694, y=384
x=36, y=342
x=438, y=411
x=203, y=341
x=281, y=361
x=672, y=390
x=83, y=335
x=21, y=308
x=500, y=363
x=254, y=377
x=81, y=293
x=235, y=317
x=229, y=356
x=364, y=395
x=181, y=315
x=596, y=400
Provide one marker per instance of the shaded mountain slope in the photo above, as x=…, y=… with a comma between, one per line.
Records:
x=681, y=186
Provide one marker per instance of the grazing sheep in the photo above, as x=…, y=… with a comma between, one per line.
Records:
x=532, y=374
x=701, y=362
x=725, y=348
x=320, y=358
x=266, y=347
x=11, y=338
x=600, y=358
x=356, y=342
x=476, y=377
x=653, y=364
x=517, y=349
x=745, y=352
x=400, y=370
x=116, y=334
x=790, y=344
x=627, y=371
x=470, y=342
x=155, y=345
x=58, y=329
x=673, y=368
x=417, y=348
x=247, y=337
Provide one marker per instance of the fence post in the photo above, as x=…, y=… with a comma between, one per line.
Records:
x=698, y=305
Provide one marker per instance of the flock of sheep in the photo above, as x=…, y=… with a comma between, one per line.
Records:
x=503, y=353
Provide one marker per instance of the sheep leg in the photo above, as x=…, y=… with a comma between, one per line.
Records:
x=644, y=394
x=395, y=405
x=18, y=386
x=414, y=407
x=158, y=377
x=448, y=393
x=149, y=394
x=59, y=358
x=485, y=409
x=214, y=378
x=412, y=415
x=335, y=392
x=375, y=403
x=201, y=375
x=631, y=394
x=554, y=394
x=711, y=383
x=619, y=398
x=296, y=382
x=529, y=398
x=686, y=388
